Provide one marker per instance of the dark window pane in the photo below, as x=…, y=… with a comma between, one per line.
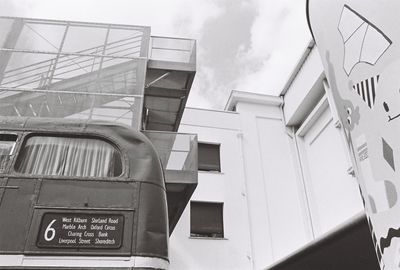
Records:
x=209, y=158
x=206, y=219
x=81, y=157
x=7, y=145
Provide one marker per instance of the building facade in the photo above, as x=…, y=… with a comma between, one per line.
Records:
x=275, y=180
x=285, y=183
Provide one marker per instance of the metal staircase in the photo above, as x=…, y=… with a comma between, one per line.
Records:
x=57, y=69
x=100, y=82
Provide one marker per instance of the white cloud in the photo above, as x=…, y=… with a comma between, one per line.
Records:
x=279, y=36
x=193, y=14
x=163, y=16
x=13, y=8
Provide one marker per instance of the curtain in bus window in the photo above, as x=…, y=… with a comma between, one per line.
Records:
x=79, y=157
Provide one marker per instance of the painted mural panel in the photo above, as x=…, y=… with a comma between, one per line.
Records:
x=358, y=43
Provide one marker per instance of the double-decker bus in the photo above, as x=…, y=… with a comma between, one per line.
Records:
x=80, y=195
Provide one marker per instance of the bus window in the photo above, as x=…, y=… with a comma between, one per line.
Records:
x=63, y=156
x=7, y=145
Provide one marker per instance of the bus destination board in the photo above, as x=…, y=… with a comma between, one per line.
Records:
x=81, y=230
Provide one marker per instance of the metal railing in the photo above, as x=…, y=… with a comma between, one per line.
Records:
x=180, y=50
x=178, y=153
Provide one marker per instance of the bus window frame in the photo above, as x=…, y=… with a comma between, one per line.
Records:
x=14, y=152
x=85, y=135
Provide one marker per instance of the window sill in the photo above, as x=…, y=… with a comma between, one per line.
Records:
x=211, y=172
x=207, y=238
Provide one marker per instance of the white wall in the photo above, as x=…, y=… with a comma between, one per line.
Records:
x=333, y=194
x=263, y=209
x=284, y=179
x=233, y=252
x=330, y=194
x=277, y=223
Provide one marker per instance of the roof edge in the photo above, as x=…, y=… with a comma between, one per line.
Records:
x=308, y=17
x=255, y=98
x=298, y=67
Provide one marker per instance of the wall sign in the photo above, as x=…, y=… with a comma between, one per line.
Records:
x=80, y=230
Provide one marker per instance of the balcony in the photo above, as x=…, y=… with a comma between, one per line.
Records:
x=170, y=73
x=167, y=51
x=178, y=154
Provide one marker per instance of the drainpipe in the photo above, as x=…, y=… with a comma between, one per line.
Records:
x=240, y=136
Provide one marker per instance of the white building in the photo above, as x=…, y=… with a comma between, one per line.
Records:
x=275, y=184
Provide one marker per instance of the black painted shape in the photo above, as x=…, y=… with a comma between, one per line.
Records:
x=388, y=154
x=366, y=90
x=386, y=107
x=386, y=241
x=392, y=118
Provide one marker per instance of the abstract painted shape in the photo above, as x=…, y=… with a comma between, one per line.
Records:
x=353, y=114
x=362, y=151
x=366, y=89
x=348, y=114
x=362, y=195
x=363, y=41
x=386, y=241
x=382, y=195
x=391, y=193
x=349, y=23
x=388, y=154
x=372, y=204
x=376, y=244
x=397, y=258
x=387, y=109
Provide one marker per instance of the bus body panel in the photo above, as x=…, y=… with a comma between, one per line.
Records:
x=16, y=206
x=138, y=195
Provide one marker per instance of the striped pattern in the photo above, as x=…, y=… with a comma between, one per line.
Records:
x=366, y=90
x=363, y=152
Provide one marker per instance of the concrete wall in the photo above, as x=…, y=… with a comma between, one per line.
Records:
x=263, y=209
x=275, y=206
x=285, y=175
x=228, y=186
x=330, y=193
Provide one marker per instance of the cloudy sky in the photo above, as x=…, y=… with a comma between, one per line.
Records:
x=248, y=45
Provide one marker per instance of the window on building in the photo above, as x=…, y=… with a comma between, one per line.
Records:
x=208, y=157
x=7, y=145
x=206, y=219
x=63, y=156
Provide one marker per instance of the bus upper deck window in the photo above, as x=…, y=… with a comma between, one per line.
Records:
x=7, y=145
x=64, y=156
